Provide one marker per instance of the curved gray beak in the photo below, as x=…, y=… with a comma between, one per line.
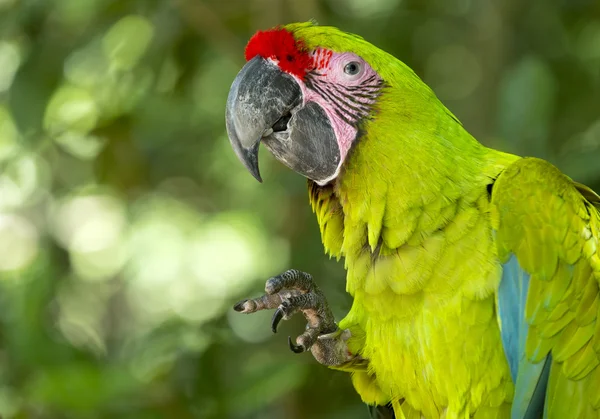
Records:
x=265, y=104
x=260, y=95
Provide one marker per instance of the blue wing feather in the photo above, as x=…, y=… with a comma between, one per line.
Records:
x=530, y=379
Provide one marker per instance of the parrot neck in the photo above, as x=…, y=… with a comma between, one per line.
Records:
x=394, y=175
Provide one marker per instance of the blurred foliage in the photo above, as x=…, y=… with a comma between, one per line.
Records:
x=128, y=228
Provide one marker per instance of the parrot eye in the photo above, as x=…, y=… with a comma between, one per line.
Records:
x=352, y=68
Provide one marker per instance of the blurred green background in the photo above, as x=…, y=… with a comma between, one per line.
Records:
x=128, y=228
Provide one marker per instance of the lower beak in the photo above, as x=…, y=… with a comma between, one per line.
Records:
x=266, y=104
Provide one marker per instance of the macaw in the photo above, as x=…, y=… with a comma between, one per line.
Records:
x=474, y=273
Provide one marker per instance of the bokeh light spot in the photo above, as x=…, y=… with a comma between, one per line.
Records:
x=22, y=180
x=18, y=242
x=157, y=246
x=79, y=145
x=127, y=40
x=9, y=134
x=227, y=254
x=365, y=8
x=99, y=264
x=92, y=228
x=71, y=108
x=10, y=59
x=90, y=222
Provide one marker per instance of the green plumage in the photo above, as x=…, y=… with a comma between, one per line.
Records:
x=426, y=219
x=543, y=218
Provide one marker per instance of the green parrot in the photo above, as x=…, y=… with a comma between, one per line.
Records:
x=474, y=273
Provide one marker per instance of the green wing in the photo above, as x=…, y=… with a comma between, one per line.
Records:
x=548, y=232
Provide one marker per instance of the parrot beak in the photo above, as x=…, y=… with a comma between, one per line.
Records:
x=265, y=104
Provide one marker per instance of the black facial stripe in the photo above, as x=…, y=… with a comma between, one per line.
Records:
x=343, y=117
x=337, y=103
x=350, y=103
x=367, y=81
x=341, y=97
x=361, y=106
x=357, y=105
x=322, y=90
x=371, y=87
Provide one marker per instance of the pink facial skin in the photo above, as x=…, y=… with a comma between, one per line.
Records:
x=345, y=98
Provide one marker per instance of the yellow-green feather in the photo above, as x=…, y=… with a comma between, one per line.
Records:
x=423, y=247
x=542, y=217
x=409, y=221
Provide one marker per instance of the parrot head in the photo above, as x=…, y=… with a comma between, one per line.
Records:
x=305, y=93
x=311, y=93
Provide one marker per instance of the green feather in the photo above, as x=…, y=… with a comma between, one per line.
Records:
x=423, y=246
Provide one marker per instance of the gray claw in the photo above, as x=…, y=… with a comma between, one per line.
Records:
x=277, y=317
x=298, y=349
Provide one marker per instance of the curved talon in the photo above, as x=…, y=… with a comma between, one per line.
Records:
x=295, y=292
x=297, y=349
x=277, y=316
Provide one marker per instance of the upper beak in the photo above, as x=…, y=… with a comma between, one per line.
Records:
x=260, y=95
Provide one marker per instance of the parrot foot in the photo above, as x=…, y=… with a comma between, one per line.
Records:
x=295, y=291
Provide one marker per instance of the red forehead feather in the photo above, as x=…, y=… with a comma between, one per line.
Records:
x=279, y=44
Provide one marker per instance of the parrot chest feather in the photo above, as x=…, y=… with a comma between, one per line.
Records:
x=427, y=308
x=415, y=230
